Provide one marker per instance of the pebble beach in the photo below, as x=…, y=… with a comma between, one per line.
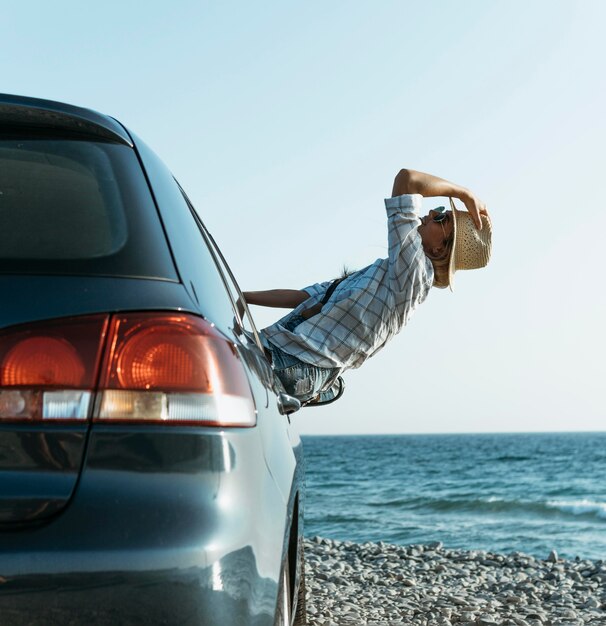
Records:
x=352, y=583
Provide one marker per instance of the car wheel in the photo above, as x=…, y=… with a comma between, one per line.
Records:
x=301, y=613
x=283, y=608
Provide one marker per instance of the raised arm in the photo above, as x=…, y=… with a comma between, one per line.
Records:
x=429, y=186
x=280, y=298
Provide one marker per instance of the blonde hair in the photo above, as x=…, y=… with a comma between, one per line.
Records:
x=440, y=267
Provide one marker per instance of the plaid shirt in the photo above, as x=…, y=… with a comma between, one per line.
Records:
x=370, y=306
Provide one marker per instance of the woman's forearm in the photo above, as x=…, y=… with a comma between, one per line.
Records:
x=411, y=181
x=280, y=298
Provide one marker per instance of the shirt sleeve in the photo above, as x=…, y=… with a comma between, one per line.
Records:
x=317, y=289
x=407, y=205
x=407, y=261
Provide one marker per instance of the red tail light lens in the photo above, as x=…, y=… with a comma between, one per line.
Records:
x=48, y=371
x=43, y=361
x=157, y=367
x=171, y=353
x=60, y=353
x=173, y=368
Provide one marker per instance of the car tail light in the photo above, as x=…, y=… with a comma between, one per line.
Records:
x=143, y=367
x=172, y=368
x=49, y=371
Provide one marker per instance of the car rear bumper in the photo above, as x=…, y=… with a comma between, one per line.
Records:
x=182, y=527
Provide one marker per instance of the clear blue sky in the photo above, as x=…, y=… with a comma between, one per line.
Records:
x=286, y=123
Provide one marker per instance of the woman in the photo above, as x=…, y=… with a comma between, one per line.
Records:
x=337, y=325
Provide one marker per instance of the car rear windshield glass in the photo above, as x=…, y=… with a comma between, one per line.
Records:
x=78, y=207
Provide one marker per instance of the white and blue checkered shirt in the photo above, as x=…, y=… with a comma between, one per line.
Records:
x=370, y=306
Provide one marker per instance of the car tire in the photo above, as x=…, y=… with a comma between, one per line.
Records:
x=301, y=612
x=283, y=607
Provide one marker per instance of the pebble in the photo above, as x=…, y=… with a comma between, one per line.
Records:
x=352, y=584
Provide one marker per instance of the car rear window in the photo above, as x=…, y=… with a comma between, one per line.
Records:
x=78, y=207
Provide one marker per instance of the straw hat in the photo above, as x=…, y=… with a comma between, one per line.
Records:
x=470, y=247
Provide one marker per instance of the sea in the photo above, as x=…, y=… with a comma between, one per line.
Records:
x=529, y=493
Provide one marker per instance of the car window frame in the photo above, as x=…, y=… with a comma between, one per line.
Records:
x=221, y=263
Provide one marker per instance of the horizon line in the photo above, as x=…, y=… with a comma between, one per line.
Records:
x=521, y=432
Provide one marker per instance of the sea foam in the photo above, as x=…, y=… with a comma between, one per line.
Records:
x=580, y=507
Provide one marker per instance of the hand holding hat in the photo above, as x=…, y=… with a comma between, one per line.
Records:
x=475, y=207
x=472, y=245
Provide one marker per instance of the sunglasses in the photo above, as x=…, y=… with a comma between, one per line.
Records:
x=441, y=214
x=440, y=217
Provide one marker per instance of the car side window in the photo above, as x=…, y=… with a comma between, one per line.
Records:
x=243, y=325
x=242, y=318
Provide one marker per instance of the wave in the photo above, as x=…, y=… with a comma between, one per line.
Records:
x=346, y=519
x=318, y=484
x=496, y=505
x=579, y=507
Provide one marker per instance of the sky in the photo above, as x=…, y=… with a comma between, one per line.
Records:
x=286, y=123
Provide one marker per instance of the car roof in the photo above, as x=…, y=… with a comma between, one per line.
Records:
x=38, y=114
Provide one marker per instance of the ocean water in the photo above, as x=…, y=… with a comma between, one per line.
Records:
x=498, y=492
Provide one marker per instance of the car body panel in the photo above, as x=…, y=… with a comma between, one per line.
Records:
x=198, y=520
x=38, y=469
x=35, y=298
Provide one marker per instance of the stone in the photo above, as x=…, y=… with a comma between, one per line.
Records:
x=514, y=599
x=381, y=584
x=467, y=616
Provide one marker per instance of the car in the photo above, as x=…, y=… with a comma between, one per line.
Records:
x=149, y=469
